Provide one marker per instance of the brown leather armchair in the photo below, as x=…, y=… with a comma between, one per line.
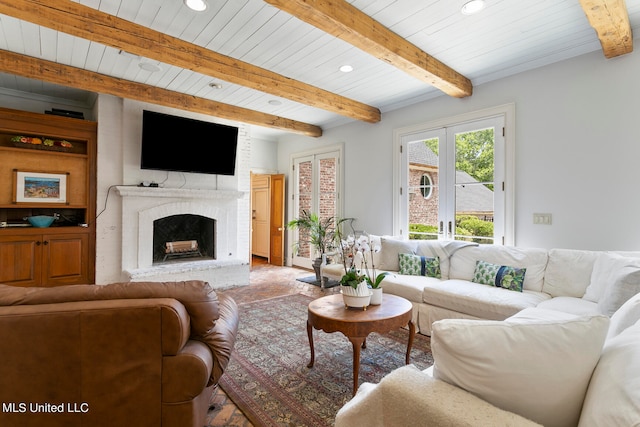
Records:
x=124, y=354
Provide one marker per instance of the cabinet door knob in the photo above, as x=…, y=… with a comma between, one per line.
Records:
x=46, y=242
x=38, y=243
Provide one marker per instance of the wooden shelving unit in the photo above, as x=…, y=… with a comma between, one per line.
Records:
x=65, y=252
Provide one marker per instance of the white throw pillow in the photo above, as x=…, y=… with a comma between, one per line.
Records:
x=626, y=316
x=613, y=398
x=599, y=277
x=604, y=269
x=390, y=251
x=538, y=369
x=624, y=283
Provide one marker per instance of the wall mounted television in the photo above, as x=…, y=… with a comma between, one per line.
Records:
x=180, y=144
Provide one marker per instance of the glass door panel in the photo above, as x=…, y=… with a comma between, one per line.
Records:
x=315, y=190
x=474, y=185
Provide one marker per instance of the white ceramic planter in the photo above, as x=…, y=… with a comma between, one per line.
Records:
x=376, y=296
x=359, y=297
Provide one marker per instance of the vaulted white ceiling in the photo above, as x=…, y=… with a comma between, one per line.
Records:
x=507, y=37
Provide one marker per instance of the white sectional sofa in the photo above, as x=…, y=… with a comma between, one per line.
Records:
x=571, y=281
x=538, y=368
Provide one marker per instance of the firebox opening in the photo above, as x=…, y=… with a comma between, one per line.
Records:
x=184, y=237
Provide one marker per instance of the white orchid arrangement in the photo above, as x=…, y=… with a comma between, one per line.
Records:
x=354, y=249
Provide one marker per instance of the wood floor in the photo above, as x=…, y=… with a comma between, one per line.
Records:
x=266, y=281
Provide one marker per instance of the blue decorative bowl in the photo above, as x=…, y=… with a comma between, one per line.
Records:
x=40, y=221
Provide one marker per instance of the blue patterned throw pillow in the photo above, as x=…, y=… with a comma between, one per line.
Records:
x=500, y=276
x=416, y=265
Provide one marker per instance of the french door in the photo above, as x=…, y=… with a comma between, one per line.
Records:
x=315, y=189
x=453, y=182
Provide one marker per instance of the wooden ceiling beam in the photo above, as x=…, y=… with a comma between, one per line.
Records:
x=52, y=72
x=91, y=24
x=610, y=19
x=342, y=20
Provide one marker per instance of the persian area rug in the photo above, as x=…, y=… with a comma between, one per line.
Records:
x=267, y=376
x=328, y=283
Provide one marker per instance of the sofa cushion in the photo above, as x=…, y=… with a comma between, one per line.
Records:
x=613, y=397
x=568, y=272
x=623, y=283
x=600, y=276
x=463, y=262
x=408, y=287
x=607, y=269
x=578, y=306
x=442, y=249
x=500, y=276
x=485, y=302
x=625, y=316
x=536, y=313
x=522, y=367
x=418, y=265
x=390, y=249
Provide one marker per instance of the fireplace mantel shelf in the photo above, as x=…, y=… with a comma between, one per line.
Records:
x=178, y=193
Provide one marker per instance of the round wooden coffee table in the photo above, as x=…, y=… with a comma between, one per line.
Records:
x=330, y=315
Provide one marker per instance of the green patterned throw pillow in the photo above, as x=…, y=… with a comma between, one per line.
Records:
x=500, y=276
x=416, y=265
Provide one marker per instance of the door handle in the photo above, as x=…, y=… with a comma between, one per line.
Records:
x=280, y=228
x=450, y=230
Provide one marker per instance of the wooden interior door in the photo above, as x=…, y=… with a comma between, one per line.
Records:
x=260, y=202
x=277, y=226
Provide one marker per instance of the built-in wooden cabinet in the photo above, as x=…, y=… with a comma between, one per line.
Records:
x=63, y=253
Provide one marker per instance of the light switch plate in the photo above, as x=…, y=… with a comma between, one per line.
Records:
x=542, y=218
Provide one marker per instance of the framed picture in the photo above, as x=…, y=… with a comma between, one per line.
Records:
x=40, y=187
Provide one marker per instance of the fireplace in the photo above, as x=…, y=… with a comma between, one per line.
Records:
x=184, y=237
x=205, y=230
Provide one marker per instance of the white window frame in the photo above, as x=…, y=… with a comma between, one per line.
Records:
x=415, y=132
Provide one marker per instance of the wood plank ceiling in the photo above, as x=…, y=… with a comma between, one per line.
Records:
x=276, y=61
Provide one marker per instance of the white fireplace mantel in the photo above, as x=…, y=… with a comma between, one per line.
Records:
x=177, y=193
x=141, y=206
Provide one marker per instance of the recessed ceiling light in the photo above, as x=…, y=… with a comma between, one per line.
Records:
x=197, y=5
x=346, y=68
x=471, y=7
x=275, y=102
x=148, y=66
x=215, y=85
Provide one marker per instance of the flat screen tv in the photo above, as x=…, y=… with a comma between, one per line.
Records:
x=173, y=143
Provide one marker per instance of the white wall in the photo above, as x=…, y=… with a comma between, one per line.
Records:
x=577, y=153
x=264, y=156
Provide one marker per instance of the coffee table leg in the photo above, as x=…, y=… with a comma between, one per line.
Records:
x=412, y=333
x=310, y=335
x=356, y=342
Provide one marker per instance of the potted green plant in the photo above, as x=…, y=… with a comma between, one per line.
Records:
x=319, y=233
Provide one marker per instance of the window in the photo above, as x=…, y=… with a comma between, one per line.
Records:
x=462, y=167
x=426, y=186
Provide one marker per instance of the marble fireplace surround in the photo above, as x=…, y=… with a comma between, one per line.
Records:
x=141, y=206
